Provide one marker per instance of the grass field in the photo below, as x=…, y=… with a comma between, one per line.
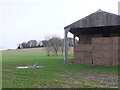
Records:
x=54, y=74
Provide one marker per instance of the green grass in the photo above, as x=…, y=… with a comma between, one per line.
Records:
x=54, y=74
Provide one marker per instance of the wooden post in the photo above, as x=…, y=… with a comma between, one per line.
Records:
x=65, y=46
x=73, y=44
x=73, y=41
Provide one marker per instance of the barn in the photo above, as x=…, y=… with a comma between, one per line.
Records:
x=99, y=39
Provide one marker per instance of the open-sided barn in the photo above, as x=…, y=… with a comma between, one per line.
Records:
x=99, y=36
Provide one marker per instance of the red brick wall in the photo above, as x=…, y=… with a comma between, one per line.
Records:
x=101, y=51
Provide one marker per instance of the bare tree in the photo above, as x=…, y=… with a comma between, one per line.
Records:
x=62, y=46
x=55, y=44
x=48, y=49
x=47, y=45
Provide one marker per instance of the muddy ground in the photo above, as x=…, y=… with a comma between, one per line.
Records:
x=104, y=80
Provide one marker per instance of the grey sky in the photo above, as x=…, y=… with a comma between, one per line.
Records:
x=23, y=20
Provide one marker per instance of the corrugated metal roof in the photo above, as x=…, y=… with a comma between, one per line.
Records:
x=98, y=18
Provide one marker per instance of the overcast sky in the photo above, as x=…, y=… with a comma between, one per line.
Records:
x=23, y=20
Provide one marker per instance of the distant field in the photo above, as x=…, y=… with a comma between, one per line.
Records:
x=54, y=74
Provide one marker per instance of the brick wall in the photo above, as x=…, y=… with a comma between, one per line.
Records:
x=101, y=51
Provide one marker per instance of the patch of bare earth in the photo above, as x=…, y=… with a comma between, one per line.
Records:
x=104, y=80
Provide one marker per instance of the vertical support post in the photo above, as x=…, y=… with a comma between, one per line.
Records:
x=74, y=41
x=73, y=45
x=65, y=46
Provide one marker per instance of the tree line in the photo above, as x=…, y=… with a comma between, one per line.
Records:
x=51, y=44
x=29, y=44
